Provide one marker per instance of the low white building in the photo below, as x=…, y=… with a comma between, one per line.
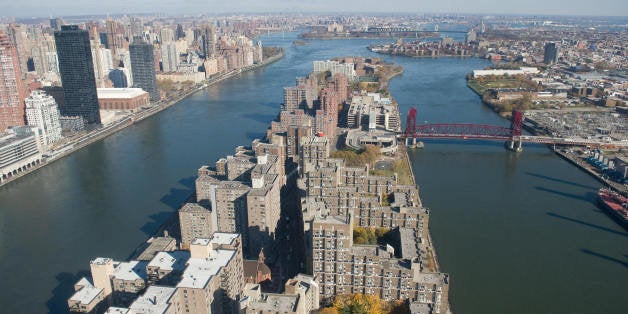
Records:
x=18, y=152
x=501, y=72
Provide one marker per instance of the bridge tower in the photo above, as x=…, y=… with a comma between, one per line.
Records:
x=516, y=129
x=410, y=127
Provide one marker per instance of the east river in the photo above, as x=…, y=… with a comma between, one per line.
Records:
x=519, y=233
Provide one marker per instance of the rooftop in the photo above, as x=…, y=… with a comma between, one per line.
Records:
x=275, y=303
x=156, y=245
x=224, y=238
x=201, y=241
x=130, y=271
x=420, y=308
x=432, y=278
x=174, y=260
x=193, y=207
x=409, y=243
x=331, y=220
x=101, y=260
x=154, y=300
x=86, y=294
x=201, y=270
x=117, y=93
x=117, y=310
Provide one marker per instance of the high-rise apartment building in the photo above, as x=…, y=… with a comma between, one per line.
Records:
x=143, y=67
x=209, y=39
x=196, y=221
x=12, y=90
x=342, y=267
x=550, y=55
x=169, y=55
x=77, y=74
x=42, y=112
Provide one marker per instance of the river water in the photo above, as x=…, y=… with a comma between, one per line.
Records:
x=518, y=233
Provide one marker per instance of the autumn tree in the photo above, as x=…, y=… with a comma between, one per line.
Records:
x=358, y=304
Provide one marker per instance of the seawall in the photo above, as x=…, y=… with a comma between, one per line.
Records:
x=104, y=132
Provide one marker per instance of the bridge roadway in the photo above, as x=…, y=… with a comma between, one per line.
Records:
x=570, y=141
x=512, y=135
x=522, y=138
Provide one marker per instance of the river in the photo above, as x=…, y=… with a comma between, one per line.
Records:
x=518, y=233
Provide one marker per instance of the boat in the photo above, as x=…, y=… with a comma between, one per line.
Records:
x=614, y=204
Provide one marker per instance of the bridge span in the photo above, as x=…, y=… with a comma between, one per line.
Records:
x=511, y=135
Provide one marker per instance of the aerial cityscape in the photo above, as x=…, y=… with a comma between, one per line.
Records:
x=284, y=157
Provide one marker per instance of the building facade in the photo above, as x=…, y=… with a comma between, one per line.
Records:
x=12, y=89
x=42, y=112
x=196, y=221
x=550, y=54
x=143, y=67
x=77, y=74
x=132, y=99
x=18, y=152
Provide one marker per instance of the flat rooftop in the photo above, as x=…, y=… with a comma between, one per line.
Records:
x=224, y=238
x=86, y=294
x=130, y=271
x=119, y=93
x=101, y=260
x=201, y=241
x=117, y=310
x=409, y=243
x=156, y=245
x=200, y=270
x=174, y=260
x=154, y=300
x=275, y=303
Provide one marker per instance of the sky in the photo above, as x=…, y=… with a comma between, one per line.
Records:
x=60, y=8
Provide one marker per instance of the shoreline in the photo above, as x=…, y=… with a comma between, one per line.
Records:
x=615, y=186
x=432, y=57
x=104, y=132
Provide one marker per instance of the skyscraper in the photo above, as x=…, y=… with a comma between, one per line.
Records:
x=12, y=90
x=77, y=74
x=209, y=40
x=169, y=55
x=143, y=67
x=551, y=53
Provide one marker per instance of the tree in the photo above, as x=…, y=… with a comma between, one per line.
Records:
x=385, y=200
x=358, y=304
x=328, y=310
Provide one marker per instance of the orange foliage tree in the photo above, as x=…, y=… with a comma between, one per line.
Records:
x=358, y=304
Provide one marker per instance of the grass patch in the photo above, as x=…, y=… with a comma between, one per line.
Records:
x=358, y=158
x=401, y=168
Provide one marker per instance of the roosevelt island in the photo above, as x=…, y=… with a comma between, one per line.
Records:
x=312, y=217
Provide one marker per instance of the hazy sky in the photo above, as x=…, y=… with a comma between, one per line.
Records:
x=45, y=8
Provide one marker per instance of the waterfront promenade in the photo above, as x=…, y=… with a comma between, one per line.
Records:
x=105, y=131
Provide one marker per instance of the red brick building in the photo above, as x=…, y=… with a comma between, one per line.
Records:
x=12, y=89
x=122, y=98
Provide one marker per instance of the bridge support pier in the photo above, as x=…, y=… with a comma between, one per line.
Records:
x=411, y=142
x=515, y=146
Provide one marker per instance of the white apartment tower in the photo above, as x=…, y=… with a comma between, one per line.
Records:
x=42, y=112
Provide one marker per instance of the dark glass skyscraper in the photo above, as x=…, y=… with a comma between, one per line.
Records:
x=77, y=74
x=551, y=53
x=143, y=67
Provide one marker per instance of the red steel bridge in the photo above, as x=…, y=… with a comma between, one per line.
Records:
x=512, y=135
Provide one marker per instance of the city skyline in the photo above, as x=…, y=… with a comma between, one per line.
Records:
x=196, y=7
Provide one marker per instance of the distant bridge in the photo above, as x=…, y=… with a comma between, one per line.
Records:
x=409, y=30
x=512, y=136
